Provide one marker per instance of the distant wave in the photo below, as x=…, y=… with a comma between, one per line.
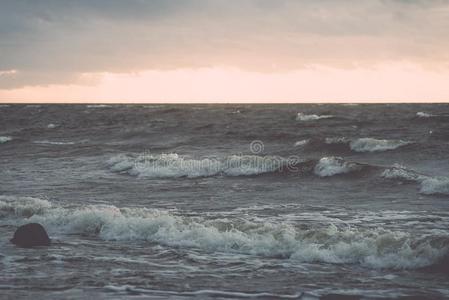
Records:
x=356, y=145
x=4, y=139
x=330, y=166
x=424, y=115
x=336, y=140
x=51, y=126
x=45, y=142
x=302, y=143
x=175, y=166
x=303, y=117
x=98, y=106
x=375, y=145
x=371, y=247
x=429, y=185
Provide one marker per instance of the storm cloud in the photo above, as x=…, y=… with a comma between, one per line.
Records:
x=59, y=42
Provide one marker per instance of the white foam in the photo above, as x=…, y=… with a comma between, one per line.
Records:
x=51, y=126
x=303, y=117
x=435, y=185
x=428, y=185
x=424, y=115
x=98, y=106
x=330, y=166
x=4, y=139
x=302, y=143
x=22, y=206
x=400, y=172
x=372, y=247
x=45, y=142
x=174, y=166
x=375, y=145
x=336, y=140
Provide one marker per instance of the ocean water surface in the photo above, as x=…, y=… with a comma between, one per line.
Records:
x=226, y=201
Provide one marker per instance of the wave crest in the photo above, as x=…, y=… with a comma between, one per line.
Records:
x=375, y=145
x=429, y=185
x=4, y=139
x=304, y=118
x=373, y=247
x=174, y=165
x=22, y=206
x=330, y=166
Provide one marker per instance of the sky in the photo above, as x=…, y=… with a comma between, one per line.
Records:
x=224, y=50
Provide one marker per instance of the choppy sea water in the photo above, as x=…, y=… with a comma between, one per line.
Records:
x=213, y=201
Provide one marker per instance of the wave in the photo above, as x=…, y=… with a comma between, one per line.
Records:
x=22, y=206
x=429, y=185
x=330, y=166
x=302, y=143
x=175, y=166
x=375, y=145
x=421, y=114
x=372, y=247
x=45, y=142
x=336, y=140
x=51, y=126
x=4, y=139
x=98, y=106
x=341, y=143
x=303, y=117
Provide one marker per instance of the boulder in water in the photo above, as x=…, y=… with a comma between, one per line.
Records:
x=30, y=235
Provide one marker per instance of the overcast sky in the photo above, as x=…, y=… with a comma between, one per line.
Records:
x=57, y=43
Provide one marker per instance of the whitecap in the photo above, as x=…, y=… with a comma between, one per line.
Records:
x=45, y=142
x=302, y=143
x=303, y=117
x=336, y=140
x=330, y=166
x=173, y=165
x=372, y=247
x=4, y=139
x=22, y=206
x=429, y=185
x=375, y=145
x=98, y=106
x=421, y=114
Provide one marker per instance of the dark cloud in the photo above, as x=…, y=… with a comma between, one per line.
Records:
x=54, y=41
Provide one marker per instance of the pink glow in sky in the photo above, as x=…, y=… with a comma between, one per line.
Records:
x=224, y=51
x=386, y=83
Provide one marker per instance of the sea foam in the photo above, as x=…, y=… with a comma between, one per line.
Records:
x=174, y=165
x=327, y=243
x=375, y=145
x=429, y=185
x=303, y=117
x=330, y=166
x=4, y=139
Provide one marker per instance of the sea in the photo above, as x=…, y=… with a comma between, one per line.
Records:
x=288, y=201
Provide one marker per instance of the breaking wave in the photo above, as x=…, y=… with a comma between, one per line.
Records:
x=429, y=185
x=341, y=143
x=4, y=139
x=375, y=145
x=328, y=243
x=303, y=117
x=330, y=166
x=421, y=114
x=53, y=143
x=302, y=143
x=175, y=166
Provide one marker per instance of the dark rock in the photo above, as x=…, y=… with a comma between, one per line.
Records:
x=30, y=235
